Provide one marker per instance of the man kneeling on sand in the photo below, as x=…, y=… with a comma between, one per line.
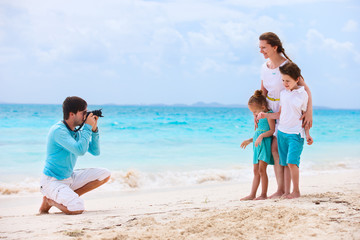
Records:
x=60, y=184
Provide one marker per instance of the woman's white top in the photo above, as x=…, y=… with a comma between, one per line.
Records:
x=292, y=103
x=272, y=81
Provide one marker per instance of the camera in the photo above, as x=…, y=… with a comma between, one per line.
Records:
x=96, y=113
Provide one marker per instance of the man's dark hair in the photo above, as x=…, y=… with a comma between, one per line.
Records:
x=74, y=105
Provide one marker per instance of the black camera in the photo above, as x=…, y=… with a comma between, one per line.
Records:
x=96, y=113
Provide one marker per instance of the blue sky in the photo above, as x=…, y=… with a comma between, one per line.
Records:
x=149, y=52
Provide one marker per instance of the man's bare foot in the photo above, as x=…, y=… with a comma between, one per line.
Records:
x=293, y=195
x=45, y=206
x=276, y=195
x=250, y=197
x=48, y=203
x=261, y=198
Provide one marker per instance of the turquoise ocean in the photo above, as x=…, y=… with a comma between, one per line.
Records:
x=148, y=147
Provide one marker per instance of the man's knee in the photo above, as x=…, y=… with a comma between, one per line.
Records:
x=107, y=179
x=70, y=200
x=104, y=175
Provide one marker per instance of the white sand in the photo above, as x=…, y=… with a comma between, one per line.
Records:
x=328, y=209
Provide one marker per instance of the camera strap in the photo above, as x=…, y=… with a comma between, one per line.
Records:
x=76, y=129
x=66, y=125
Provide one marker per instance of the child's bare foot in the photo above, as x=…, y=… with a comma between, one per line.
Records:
x=284, y=195
x=276, y=195
x=293, y=195
x=45, y=206
x=261, y=198
x=250, y=197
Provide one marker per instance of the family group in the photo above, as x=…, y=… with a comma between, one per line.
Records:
x=282, y=115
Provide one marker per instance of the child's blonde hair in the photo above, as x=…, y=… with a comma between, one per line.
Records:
x=258, y=98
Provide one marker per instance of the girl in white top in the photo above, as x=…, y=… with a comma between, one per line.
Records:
x=271, y=85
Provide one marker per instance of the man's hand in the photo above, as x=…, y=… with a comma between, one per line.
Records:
x=94, y=129
x=92, y=120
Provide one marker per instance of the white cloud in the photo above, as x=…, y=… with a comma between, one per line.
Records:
x=317, y=42
x=267, y=3
x=350, y=26
x=210, y=65
x=131, y=41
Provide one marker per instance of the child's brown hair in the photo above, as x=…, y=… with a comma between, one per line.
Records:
x=291, y=69
x=258, y=98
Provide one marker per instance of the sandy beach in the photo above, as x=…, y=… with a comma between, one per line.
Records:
x=328, y=209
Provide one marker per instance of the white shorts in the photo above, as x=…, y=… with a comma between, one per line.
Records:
x=62, y=191
x=275, y=107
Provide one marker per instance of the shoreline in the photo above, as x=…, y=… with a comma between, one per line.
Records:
x=328, y=209
x=134, y=180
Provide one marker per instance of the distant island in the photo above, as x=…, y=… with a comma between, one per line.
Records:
x=202, y=104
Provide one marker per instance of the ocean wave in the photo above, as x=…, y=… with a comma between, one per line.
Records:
x=29, y=185
x=134, y=179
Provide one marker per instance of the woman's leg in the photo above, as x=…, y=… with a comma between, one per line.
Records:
x=279, y=170
x=255, y=184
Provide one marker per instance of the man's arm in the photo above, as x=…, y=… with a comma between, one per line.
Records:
x=63, y=137
x=94, y=146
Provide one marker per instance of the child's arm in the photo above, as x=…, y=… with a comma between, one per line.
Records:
x=269, y=115
x=309, y=139
x=307, y=115
x=267, y=133
x=246, y=142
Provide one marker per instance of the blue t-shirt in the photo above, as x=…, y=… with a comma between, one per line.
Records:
x=64, y=146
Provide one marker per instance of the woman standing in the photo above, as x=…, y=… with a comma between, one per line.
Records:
x=271, y=85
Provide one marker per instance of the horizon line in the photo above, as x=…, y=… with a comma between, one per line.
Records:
x=197, y=104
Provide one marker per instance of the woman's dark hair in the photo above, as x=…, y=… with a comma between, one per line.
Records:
x=258, y=98
x=74, y=105
x=272, y=39
x=290, y=69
